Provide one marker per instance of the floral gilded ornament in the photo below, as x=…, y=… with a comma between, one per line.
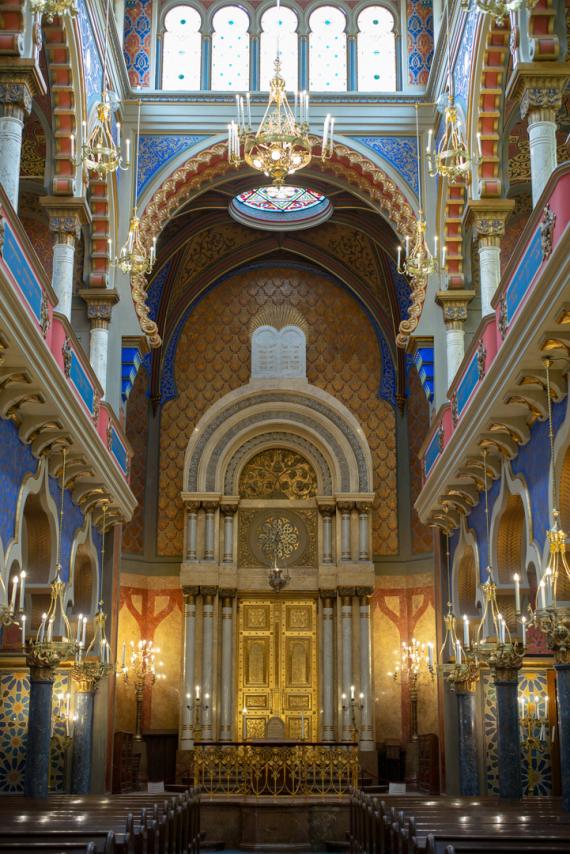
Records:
x=278, y=473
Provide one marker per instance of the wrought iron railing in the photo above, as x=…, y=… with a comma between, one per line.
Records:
x=278, y=769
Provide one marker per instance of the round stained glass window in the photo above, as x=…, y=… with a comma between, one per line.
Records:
x=282, y=207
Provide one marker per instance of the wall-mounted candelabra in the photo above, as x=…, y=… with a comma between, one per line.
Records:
x=141, y=666
x=533, y=719
x=353, y=708
x=197, y=706
x=415, y=662
x=12, y=606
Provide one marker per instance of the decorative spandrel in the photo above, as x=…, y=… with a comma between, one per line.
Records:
x=278, y=473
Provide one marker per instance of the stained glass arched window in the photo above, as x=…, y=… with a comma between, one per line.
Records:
x=181, y=49
x=327, y=50
x=279, y=26
x=376, y=50
x=230, y=49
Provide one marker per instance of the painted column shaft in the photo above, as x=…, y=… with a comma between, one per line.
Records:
x=327, y=538
x=82, y=743
x=363, y=535
x=543, y=158
x=490, y=267
x=468, y=765
x=346, y=623
x=192, y=535
x=366, y=740
x=207, y=666
x=328, y=656
x=36, y=778
x=508, y=738
x=345, y=546
x=189, y=693
x=11, y=128
x=227, y=675
x=62, y=275
x=563, y=696
x=209, y=539
x=228, y=538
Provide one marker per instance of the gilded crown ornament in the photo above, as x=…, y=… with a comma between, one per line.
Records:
x=50, y=9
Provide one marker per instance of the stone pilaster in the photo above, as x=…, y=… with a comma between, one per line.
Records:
x=192, y=508
x=366, y=702
x=228, y=509
x=210, y=508
x=346, y=634
x=208, y=597
x=488, y=218
x=454, y=305
x=226, y=698
x=345, y=508
x=188, y=690
x=327, y=511
x=328, y=598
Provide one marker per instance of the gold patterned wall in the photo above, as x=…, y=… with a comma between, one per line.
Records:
x=213, y=357
x=137, y=434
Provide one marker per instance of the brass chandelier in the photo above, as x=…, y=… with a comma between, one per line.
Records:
x=99, y=152
x=134, y=259
x=499, y=9
x=51, y=9
x=452, y=159
x=281, y=145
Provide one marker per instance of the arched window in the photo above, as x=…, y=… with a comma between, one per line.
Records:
x=327, y=50
x=230, y=49
x=376, y=50
x=279, y=27
x=181, y=47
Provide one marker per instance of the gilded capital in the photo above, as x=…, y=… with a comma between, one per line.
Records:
x=100, y=302
x=454, y=305
x=539, y=88
x=66, y=216
x=488, y=218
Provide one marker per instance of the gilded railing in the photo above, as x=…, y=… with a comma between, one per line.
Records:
x=275, y=769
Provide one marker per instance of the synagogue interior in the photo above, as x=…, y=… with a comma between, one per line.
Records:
x=284, y=426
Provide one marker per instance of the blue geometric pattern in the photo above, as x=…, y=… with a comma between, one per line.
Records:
x=16, y=460
x=154, y=292
x=420, y=41
x=92, y=66
x=155, y=150
x=463, y=61
x=401, y=152
x=14, y=702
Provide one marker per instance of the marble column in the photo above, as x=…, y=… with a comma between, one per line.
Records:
x=363, y=519
x=352, y=62
x=192, y=508
x=468, y=761
x=563, y=696
x=100, y=302
x=81, y=762
x=226, y=699
x=303, y=62
x=366, y=702
x=206, y=66
x=508, y=736
x=345, y=508
x=328, y=669
x=66, y=216
x=488, y=218
x=188, y=690
x=327, y=511
x=36, y=779
x=15, y=104
x=228, y=510
x=210, y=508
x=539, y=104
x=255, y=67
x=346, y=634
x=207, y=663
x=454, y=303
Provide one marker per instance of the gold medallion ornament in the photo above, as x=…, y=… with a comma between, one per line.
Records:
x=278, y=473
x=278, y=537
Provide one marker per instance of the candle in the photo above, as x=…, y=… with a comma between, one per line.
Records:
x=548, y=586
x=248, y=101
x=78, y=635
x=14, y=591
x=444, y=257
x=72, y=146
x=84, y=632
x=24, y=630
x=546, y=708
x=542, y=735
x=458, y=655
x=50, y=630
x=43, y=627
x=128, y=151
x=198, y=692
x=430, y=654
x=517, y=579
x=435, y=251
x=407, y=245
x=352, y=692
x=542, y=595
x=399, y=257
x=118, y=134
x=465, y=631
x=429, y=142
x=22, y=589
x=523, y=627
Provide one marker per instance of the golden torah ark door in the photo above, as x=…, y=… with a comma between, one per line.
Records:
x=278, y=666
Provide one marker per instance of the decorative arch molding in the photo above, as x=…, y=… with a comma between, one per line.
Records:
x=33, y=484
x=255, y=410
x=466, y=548
x=291, y=441
x=513, y=485
x=84, y=537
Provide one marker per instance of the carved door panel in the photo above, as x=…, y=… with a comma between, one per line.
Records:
x=278, y=666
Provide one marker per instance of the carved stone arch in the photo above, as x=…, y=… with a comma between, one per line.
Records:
x=81, y=592
x=466, y=595
x=263, y=441
x=252, y=410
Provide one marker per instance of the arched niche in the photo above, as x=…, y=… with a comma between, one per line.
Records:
x=465, y=574
x=83, y=587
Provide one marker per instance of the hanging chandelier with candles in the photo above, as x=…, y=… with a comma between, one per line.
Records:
x=549, y=615
x=281, y=145
x=12, y=604
x=499, y=9
x=134, y=258
x=51, y=9
x=452, y=158
x=99, y=152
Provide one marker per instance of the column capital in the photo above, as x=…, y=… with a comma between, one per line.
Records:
x=189, y=592
x=539, y=88
x=327, y=594
x=364, y=593
x=211, y=505
x=66, y=216
x=20, y=81
x=454, y=305
x=346, y=592
x=345, y=506
x=488, y=218
x=208, y=592
x=100, y=302
x=326, y=505
x=229, y=504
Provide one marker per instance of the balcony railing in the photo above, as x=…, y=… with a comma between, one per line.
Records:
x=276, y=769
